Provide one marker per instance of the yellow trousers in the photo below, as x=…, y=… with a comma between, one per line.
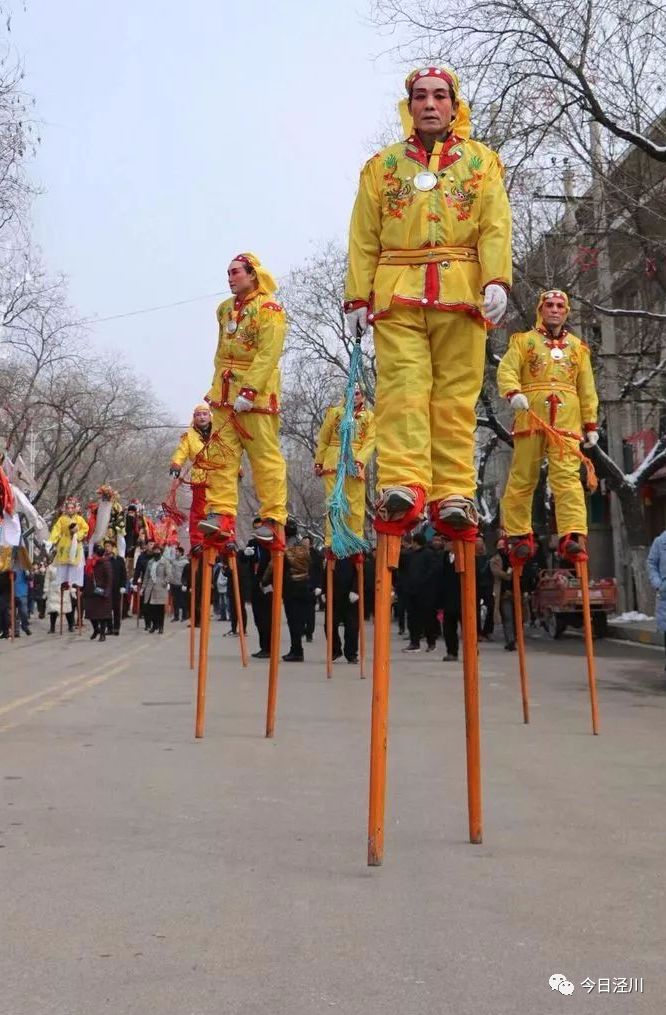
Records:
x=564, y=481
x=355, y=490
x=429, y=374
x=269, y=470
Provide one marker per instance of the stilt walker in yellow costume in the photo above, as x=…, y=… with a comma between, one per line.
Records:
x=429, y=265
x=193, y=447
x=548, y=371
x=328, y=453
x=244, y=397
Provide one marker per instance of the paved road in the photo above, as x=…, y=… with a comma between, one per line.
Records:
x=145, y=872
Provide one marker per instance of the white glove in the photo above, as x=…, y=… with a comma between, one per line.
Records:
x=353, y=597
x=249, y=551
x=183, y=588
x=518, y=402
x=494, y=303
x=317, y=592
x=591, y=438
x=243, y=404
x=267, y=588
x=357, y=321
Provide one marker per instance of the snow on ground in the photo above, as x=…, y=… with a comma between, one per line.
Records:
x=629, y=618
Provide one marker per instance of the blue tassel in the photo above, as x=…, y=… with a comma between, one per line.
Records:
x=344, y=542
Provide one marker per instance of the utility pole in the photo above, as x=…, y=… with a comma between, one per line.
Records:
x=610, y=401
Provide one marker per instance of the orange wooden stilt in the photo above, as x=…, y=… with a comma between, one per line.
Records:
x=204, y=635
x=360, y=581
x=583, y=575
x=466, y=565
x=277, y=558
x=520, y=639
x=193, y=608
x=330, y=568
x=12, y=606
x=62, y=601
x=388, y=552
x=233, y=567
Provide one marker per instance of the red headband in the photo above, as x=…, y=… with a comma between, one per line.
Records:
x=244, y=260
x=430, y=72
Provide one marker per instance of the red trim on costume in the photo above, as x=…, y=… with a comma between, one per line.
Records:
x=272, y=306
x=553, y=402
x=510, y=394
x=466, y=535
x=354, y=305
x=499, y=281
x=431, y=291
x=590, y=427
x=573, y=558
x=249, y=393
x=416, y=151
x=562, y=433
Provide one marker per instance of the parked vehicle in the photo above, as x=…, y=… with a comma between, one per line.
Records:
x=558, y=602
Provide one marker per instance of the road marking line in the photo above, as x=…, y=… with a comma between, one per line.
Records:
x=20, y=702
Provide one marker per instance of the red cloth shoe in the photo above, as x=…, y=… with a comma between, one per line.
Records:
x=520, y=549
x=218, y=527
x=573, y=548
x=455, y=517
x=399, y=509
x=269, y=532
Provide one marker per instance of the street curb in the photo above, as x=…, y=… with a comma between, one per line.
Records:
x=632, y=632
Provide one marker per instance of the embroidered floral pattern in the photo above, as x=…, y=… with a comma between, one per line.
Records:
x=398, y=194
x=462, y=196
x=248, y=331
x=535, y=361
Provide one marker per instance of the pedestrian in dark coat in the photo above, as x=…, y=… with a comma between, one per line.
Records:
x=97, y=587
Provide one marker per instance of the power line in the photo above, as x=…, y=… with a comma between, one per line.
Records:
x=151, y=310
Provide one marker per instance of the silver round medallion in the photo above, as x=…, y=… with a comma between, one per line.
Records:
x=556, y=353
x=231, y=327
x=425, y=180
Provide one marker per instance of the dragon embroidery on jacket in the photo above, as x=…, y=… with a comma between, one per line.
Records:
x=535, y=361
x=462, y=195
x=398, y=193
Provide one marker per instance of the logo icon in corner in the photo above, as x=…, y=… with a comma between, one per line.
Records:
x=558, y=981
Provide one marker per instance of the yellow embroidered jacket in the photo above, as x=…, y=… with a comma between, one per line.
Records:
x=190, y=445
x=249, y=346
x=62, y=538
x=328, y=445
x=556, y=376
x=437, y=247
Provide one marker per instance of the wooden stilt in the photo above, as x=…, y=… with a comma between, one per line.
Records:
x=193, y=608
x=277, y=558
x=583, y=575
x=330, y=568
x=204, y=634
x=360, y=582
x=466, y=565
x=388, y=552
x=12, y=606
x=520, y=639
x=233, y=567
x=62, y=600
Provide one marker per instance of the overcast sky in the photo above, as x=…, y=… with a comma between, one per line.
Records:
x=175, y=135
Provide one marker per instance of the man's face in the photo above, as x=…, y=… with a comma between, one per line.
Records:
x=554, y=311
x=437, y=542
x=108, y=549
x=358, y=398
x=241, y=282
x=150, y=546
x=202, y=418
x=431, y=106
